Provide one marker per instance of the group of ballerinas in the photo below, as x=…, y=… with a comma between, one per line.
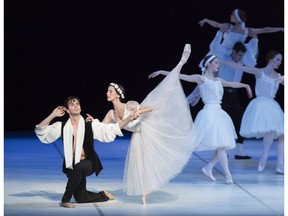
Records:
x=164, y=135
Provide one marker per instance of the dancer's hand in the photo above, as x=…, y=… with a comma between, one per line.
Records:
x=249, y=91
x=59, y=111
x=154, y=74
x=279, y=80
x=202, y=22
x=134, y=115
x=89, y=118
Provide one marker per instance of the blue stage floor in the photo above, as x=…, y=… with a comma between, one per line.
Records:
x=34, y=183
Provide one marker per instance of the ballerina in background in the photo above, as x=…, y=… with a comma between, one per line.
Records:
x=235, y=32
x=263, y=117
x=214, y=127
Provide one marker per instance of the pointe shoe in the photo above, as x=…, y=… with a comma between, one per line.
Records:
x=208, y=172
x=229, y=179
x=143, y=200
x=67, y=205
x=262, y=164
x=280, y=169
x=186, y=53
x=109, y=195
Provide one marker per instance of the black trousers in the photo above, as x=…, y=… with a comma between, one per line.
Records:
x=234, y=109
x=76, y=184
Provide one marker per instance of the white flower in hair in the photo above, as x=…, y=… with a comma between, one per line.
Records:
x=117, y=88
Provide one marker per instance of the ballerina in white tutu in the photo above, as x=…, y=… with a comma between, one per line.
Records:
x=162, y=139
x=235, y=32
x=214, y=127
x=263, y=117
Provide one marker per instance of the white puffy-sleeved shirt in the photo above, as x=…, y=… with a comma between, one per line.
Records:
x=102, y=132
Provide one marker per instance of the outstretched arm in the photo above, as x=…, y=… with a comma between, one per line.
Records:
x=107, y=119
x=256, y=31
x=280, y=80
x=215, y=24
x=251, y=70
x=195, y=78
x=156, y=73
x=238, y=85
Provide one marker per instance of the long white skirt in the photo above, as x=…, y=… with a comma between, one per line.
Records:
x=165, y=142
x=262, y=115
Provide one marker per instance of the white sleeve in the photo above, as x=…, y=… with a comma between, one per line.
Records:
x=49, y=133
x=105, y=132
x=250, y=57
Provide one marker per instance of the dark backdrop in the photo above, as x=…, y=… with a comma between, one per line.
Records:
x=53, y=49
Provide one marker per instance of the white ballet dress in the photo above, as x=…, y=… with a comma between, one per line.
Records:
x=223, y=42
x=263, y=114
x=214, y=127
x=162, y=140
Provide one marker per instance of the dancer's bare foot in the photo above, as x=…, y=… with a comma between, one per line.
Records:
x=144, y=199
x=67, y=205
x=109, y=195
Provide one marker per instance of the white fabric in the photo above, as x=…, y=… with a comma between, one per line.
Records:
x=214, y=126
x=222, y=45
x=68, y=142
x=132, y=126
x=163, y=147
x=194, y=97
x=263, y=114
x=102, y=132
x=227, y=73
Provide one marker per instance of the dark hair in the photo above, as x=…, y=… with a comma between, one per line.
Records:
x=121, y=87
x=242, y=15
x=206, y=58
x=239, y=46
x=70, y=98
x=271, y=54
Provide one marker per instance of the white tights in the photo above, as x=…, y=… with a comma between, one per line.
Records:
x=267, y=143
x=221, y=156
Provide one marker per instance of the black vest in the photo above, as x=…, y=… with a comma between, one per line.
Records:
x=88, y=147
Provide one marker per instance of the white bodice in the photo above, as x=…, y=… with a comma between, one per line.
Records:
x=266, y=86
x=230, y=38
x=133, y=126
x=211, y=91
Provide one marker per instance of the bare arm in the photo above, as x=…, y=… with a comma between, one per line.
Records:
x=144, y=109
x=215, y=24
x=280, y=80
x=107, y=119
x=156, y=73
x=250, y=70
x=255, y=31
x=134, y=115
x=196, y=78
x=238, y=85
x=57, y=112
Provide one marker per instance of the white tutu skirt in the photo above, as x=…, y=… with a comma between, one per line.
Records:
x=214, y=129
x=262, y=115
x=165, y=142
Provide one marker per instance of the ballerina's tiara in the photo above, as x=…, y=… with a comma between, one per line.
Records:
x=119, y=91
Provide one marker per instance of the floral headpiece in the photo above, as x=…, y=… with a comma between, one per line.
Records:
x=118, y=89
